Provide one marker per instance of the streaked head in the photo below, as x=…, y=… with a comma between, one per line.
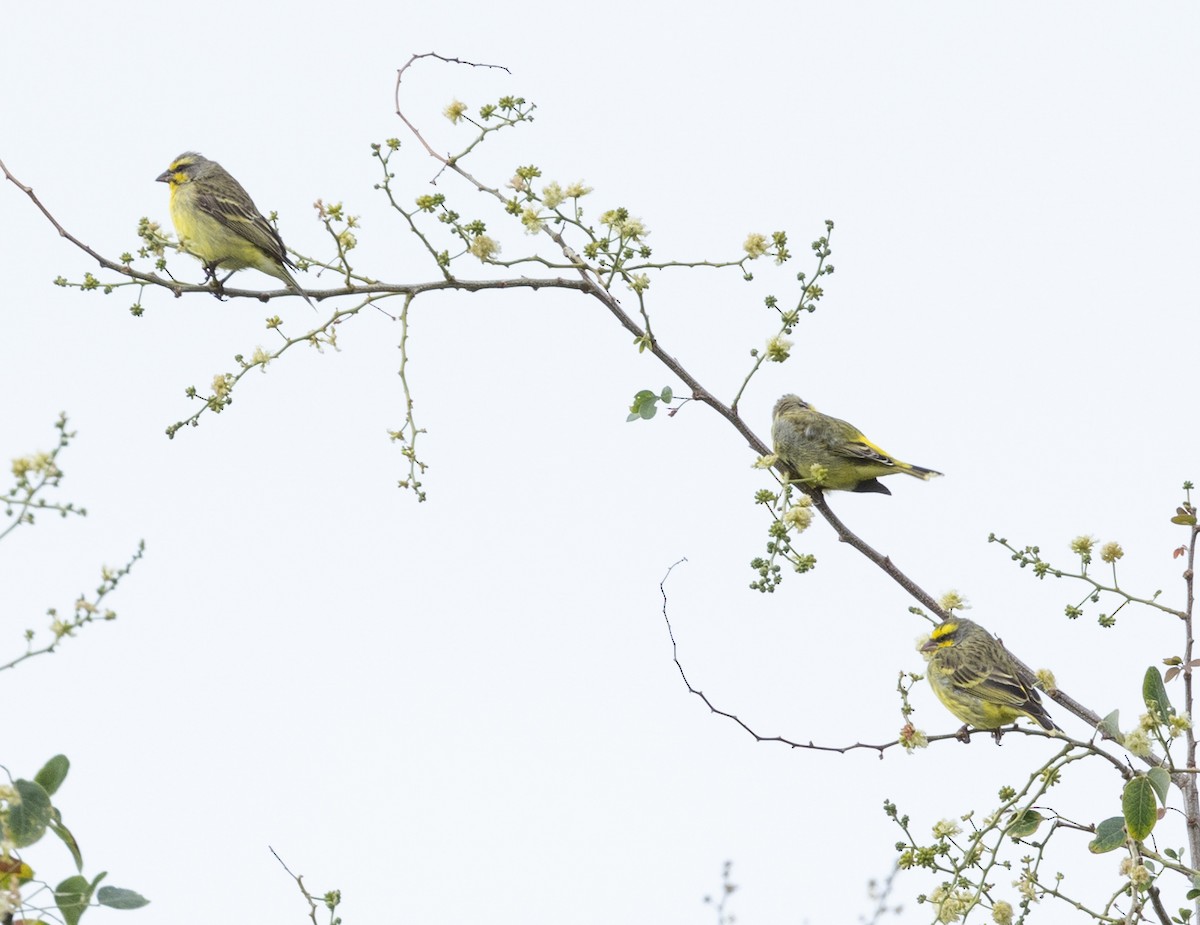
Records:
x=184, y=169
x=790, y=403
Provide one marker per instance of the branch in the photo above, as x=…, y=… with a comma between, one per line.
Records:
x=330, y=900
x=846, y=535
x=102, y=260
x=810, y=745
x=1191, y=793
x=178, y=289
x=35, y=474
x=590, y=281
x=84, y=611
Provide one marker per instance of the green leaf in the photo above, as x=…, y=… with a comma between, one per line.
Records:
x=1187, y=520
x=643, y=407
x=27, y=820
x=1139, y=808
x=645, y=404
x=1110, y=834
x=53, y=773
x=116, y=897
x=57, y=827
x=1154, y=692
x=1110, y=727
x=1160, y=780
x=1024, y=823
x=72, y=897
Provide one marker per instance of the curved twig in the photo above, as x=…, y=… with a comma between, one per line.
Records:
x=961, y=735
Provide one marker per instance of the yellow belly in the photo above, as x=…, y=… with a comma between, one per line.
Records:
x=971, y=709
x=215, y=244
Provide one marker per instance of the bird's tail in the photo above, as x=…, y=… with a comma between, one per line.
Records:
x=291, y=281
x=919, y=471
x=1042, y=718
x=313, y=305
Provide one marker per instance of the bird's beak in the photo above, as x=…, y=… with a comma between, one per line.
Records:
x=164, y=177
x=929, y=646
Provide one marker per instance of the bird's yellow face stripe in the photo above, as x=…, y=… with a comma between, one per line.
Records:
x=942, y=636
x=176, y=174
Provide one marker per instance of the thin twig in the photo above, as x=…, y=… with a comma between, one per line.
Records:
x=961, y=735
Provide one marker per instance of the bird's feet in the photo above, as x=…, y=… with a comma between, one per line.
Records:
x=218, y=285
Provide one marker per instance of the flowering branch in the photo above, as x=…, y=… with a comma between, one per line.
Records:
x=35, y=474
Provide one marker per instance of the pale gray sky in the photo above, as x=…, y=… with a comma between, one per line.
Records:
x=466, y=710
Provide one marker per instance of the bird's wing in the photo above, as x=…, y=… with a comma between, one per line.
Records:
x=862, y=448
x=846, y=440
x=1002, y=687
x=840, y=438
x=246, y=222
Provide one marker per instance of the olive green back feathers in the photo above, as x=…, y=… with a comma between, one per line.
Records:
x=976, y=678
x=830, y=453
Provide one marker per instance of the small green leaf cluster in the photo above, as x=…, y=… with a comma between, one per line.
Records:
x=645, y=403
x=1144, y=797
x=1161, y=725
x=26, y=814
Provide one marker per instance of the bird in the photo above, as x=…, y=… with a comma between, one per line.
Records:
x=977, y=679
x=830, y=453
x=218, y=223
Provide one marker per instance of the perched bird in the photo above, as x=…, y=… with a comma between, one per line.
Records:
x=847, y=460
x=218, y=222
x=976, y=678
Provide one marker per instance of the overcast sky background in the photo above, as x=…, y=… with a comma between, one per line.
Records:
x=466, y=710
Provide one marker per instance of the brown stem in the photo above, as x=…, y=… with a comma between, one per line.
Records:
x=1188, y=786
